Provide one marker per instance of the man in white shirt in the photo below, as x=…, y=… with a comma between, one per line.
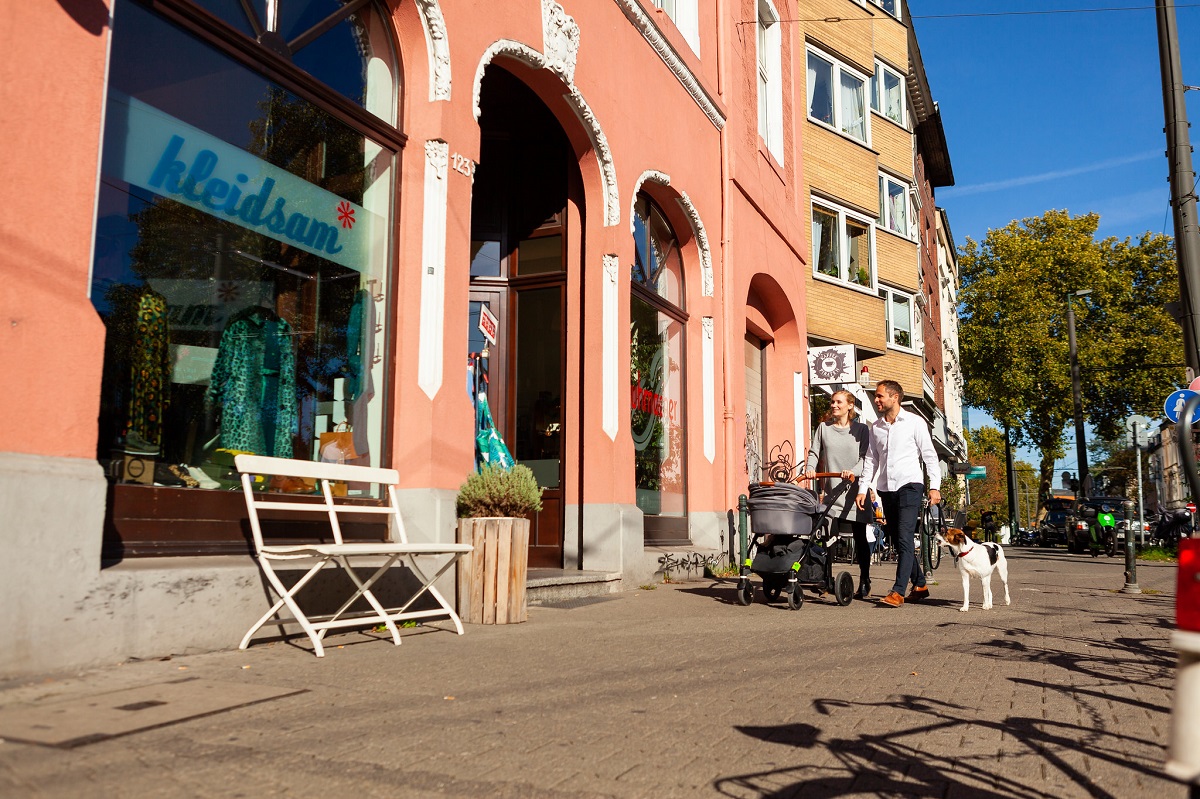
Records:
x=900, y=443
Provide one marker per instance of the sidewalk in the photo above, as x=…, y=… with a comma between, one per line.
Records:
x=672, y=692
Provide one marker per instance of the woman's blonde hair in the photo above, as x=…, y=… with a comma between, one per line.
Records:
x=853, y=414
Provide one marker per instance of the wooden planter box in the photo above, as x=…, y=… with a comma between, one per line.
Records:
x=491, y=578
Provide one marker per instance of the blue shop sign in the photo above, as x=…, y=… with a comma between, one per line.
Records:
x=174, y=159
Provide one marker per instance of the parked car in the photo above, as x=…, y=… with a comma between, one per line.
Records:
x=1051, y=522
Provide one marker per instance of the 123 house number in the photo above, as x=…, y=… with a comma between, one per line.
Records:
x=462, y=165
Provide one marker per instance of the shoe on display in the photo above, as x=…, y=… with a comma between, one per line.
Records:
x=163, y=476
x=181, y=472
x=892, y=600
x=201, y=478
x=136, y=445
x=917, y=594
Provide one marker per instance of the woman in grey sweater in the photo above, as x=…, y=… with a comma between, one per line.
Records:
x=839, y=444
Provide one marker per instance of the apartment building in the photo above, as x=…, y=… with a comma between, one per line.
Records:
x=874, y=152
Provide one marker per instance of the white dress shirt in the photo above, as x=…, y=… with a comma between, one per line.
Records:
x=894, y=458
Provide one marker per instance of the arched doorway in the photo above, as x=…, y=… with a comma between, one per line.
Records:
x=519, y=246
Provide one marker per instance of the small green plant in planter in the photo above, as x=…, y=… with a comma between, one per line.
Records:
x=494, y=506
x=497, y=491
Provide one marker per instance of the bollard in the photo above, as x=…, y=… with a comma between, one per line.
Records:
x=1131, y=583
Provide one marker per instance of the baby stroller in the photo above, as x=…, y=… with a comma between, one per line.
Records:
x=789, y=550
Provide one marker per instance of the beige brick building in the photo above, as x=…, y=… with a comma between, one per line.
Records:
x=873, y=152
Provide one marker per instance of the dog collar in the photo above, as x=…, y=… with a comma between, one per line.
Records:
x=964, y=553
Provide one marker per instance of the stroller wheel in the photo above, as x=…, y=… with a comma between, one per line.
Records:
x=772, y=592
x=795, y=596
x=745, y=592
x=843, y=589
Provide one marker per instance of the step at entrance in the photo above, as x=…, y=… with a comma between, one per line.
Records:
x=544, y=586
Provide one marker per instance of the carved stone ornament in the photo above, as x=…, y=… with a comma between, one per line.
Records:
x=706, y=324
x=641, y=21
x=611, y=264
x=706, y=270
x=652, y=176
x=439, y=49
x=560, y=40
x=532, y=58
x=437, y=157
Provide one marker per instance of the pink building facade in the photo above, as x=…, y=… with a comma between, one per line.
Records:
x=264, y=223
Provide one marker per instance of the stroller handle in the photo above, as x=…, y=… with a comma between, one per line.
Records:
x=802, y=478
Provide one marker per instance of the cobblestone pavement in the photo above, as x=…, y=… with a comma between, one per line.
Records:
x=675, y=692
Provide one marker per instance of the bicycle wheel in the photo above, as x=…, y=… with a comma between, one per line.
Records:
x=923, y=542
x=935, y=555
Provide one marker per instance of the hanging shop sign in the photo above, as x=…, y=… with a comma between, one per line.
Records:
x=831, y=364
x=488, y=324
x=171, y=158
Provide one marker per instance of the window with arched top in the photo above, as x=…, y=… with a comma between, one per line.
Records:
x=242, y=249
x=657, y=375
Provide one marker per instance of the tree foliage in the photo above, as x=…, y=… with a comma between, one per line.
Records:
x=1013, y=333
x=986, y=447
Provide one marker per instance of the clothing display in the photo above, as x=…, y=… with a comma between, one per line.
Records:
x=150, y=373
x=360, y=357
x=254, y=382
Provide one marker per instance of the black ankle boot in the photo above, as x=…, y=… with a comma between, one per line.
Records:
x=864, y=589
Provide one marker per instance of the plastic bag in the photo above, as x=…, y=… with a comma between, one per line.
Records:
x=489, y=446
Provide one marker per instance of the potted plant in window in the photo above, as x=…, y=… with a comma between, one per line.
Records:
x=494, y=506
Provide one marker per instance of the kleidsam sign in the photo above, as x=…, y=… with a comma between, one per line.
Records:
x=170, y=157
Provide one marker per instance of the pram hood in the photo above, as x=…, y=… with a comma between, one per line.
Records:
x=783, y=496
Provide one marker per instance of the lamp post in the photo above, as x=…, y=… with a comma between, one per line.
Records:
x=1080, y=443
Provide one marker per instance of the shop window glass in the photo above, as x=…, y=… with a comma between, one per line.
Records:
x=657, y=377
x=240, y=270
x=351, y=54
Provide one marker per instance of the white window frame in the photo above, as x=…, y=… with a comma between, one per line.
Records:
x=838, y=68
x=686, y=16
x=914, y=319
x=897, y=11
x=843, y=255
x=769, y=51
x=885, y=222
x=877, y=94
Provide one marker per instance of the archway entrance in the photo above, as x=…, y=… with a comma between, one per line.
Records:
x=519, y=245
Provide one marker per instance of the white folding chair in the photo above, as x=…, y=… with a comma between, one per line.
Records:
x=339, y=552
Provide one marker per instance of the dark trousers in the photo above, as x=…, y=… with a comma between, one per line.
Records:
x=901, y=508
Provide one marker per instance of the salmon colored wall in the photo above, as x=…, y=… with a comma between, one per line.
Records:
x=51, y=340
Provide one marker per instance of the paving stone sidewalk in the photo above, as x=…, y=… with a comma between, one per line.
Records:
x=672, y=692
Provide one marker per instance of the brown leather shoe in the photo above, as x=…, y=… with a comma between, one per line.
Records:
x=917, y=594
x=893, y=600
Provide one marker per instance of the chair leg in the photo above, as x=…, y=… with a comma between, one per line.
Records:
x=286, y=597
x=427, y=585
x=364, y=590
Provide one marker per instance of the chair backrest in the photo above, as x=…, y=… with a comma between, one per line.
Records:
x=324, y=474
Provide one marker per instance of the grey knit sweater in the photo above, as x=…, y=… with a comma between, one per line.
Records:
x=837, y=449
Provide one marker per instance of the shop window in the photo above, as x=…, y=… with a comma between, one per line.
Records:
x=657, y=379
x=242, y=245
x=843, y=246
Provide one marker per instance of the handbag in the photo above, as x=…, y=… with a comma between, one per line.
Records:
x=337, y=446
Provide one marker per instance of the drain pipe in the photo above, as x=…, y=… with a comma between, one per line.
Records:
x=727, y=418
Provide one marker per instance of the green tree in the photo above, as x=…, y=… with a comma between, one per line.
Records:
x=1013, y=333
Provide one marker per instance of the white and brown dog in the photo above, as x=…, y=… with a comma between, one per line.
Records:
x=973, y=559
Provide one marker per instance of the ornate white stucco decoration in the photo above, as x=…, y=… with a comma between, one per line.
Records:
x=560, y=40
x=610, y=405
x=706, y=271
x=708, y=388
x=653, y=176
x=433, y=272
x=527, y=55
x=438, y=47
x=650, y=32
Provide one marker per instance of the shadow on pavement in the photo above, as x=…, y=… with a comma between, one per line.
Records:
x=905, y=762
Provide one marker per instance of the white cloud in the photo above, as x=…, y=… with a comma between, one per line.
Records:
x=1044, y=177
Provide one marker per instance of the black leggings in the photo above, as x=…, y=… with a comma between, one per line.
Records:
x=862, y=551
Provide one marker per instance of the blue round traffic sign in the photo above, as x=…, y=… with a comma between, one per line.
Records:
x=1173, y=407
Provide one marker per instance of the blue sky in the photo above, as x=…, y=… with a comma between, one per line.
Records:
x=1054, y=111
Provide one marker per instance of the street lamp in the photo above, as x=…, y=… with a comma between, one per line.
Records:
x=1080, y=444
